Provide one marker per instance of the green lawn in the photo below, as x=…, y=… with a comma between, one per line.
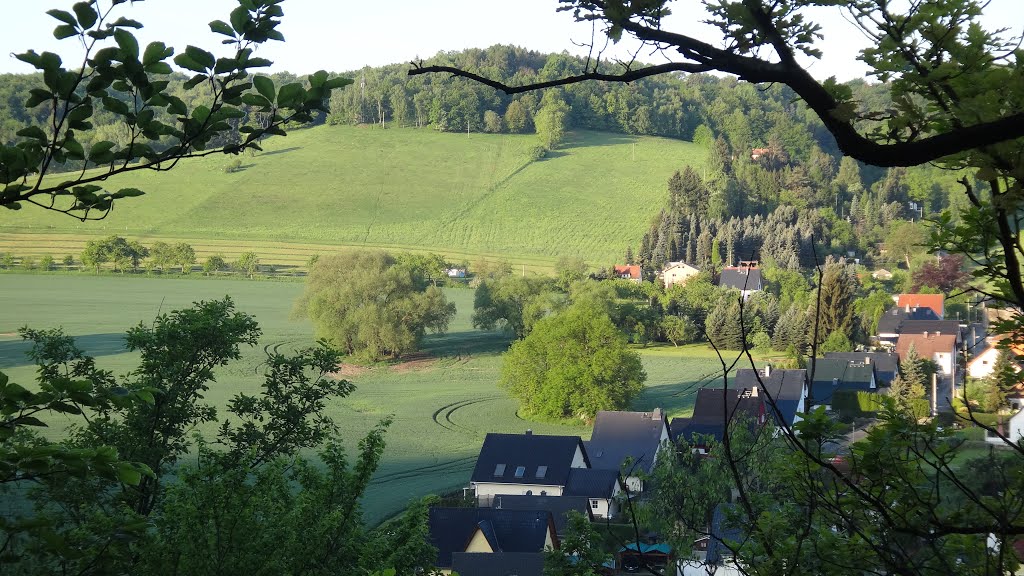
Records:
x=465, y=196
x=443, y=405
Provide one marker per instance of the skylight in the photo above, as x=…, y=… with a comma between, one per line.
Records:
x=542, y=471
x=520, y=471
x=499, y=470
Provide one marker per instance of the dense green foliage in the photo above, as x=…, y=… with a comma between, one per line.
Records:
x=573, y=364
x=367, y=302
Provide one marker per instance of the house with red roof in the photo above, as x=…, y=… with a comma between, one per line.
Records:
x=934, y=301
x=935, y=346
x=628, y=272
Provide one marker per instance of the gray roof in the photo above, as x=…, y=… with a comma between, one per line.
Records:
x=559, y=506
x=721, y=530
x=591, y=483
x=886, y=364
x=831, y=374
x=786, y=388
x=894, y=317
x=502, y=454
x=710, y=410
x=931, y=326
x=498, y=564
x=740, y=278
x=621, y=435
x=506, y=530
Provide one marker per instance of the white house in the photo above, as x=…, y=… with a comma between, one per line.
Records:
x=1012, y=428
x=529, y=464
x=677, y=273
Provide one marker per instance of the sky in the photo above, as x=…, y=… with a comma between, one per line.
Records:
x=342, y=35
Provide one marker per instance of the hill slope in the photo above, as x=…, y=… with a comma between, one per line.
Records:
x=476, y=194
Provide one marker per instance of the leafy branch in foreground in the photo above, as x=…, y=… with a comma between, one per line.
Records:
x=119, y=77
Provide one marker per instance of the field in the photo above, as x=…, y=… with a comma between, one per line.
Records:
x=443, y=403
x=468, y=197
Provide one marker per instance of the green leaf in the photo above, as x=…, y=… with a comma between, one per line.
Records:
x=290, y=94
x=37, y=96
x=114, y=105
x=128, y=474
x=127, y=42
x=200, y=113
x=256, y=100
x=188, y=63
x=49, y=61
x=265, y=86
x=222, y=27
x=159, y=68
x=64, y=31
x=240, y=18
x=126, y=23
x=100, y=152
x=32, y=132
x=74, y=149
x=63, y=16
x=128, y=193
x=202, y=57
x=86, y=15
x=318, y=78
x=31, y=421
x=155, y=51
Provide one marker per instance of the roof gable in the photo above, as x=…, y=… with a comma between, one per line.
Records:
x=559, y=506
x=786, y=388
x=891, y=321
x=927, y=345
x=453, y=529
x=631, y=271
x=526, y=459
x=886, y=364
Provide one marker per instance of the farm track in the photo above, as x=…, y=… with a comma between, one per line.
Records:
x=270, y=350
x=450, y=409
x=448, y=466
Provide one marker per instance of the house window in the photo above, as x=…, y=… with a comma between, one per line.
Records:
x=542, y=471
x=594, y=503
x=520, y=471
x=499, y=470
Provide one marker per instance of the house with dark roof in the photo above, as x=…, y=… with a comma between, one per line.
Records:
x=787, y=389
x=630, y=272
x=631, y=439
x=746, y=278
x=559, y=506
x=886, y=364
x=891, y=322
x=934, y=301
x=599, y=487
x=831, y=374
x=526, y=464
x=713, y=409
x=489, y=531
x=712, y=554
x=498, y=564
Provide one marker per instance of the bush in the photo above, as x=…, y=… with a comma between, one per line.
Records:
x=7, y=260
x=854, y=403
x=28, y=263
x=46, y=262
x=233, y=166
x=538, y=152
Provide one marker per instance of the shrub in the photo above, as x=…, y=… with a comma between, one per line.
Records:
x=538, y=152
x=233, y=166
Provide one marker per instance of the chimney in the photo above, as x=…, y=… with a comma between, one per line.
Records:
x=908, y=308
x=925, y=333
x=867, y=359
x=767, y=370
x=529, y=432
x=656, y=415
x=835, y=383
x=753, y=391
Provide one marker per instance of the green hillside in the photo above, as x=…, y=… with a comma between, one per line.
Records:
x=458, y=194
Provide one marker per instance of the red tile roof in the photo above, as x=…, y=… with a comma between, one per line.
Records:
x=933, y=301
x=927, y=345
x=633, y=271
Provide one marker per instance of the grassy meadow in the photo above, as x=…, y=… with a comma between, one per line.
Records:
x=466, y=196
x=444, y=401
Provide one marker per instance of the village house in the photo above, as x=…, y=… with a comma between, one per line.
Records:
x=713, y=410
x=832, y=374
x=1012, y=428
x=488, y=531
x=746, y=278
x=629, y=272
x=601, y=488
x=711, y=556
x=677, y=273
x=934, y=301
x=787, y=388
x=881, y=274
x=559, y=506
x=526, y=464
x=890, y=324
x=636, y=437
x=938, y=347
x=885, y=364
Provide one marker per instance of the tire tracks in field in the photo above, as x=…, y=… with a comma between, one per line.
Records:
x=445, y=421
x=270, y=350
x=455, y=465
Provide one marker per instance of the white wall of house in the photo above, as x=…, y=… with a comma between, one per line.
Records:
x=1014, y=430
x=946, y=362
x=606, y=507
x=578, y=460
x=981, y=365
x=678, y=274
x=496, y=488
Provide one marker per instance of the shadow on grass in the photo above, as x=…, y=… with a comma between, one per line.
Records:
x=590, y=140
x=281, y=151
x=13, y=352
x=467, y=343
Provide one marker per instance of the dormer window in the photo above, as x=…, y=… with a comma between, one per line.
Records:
x=499, y=470
x=542, y=471
x=520, y=471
